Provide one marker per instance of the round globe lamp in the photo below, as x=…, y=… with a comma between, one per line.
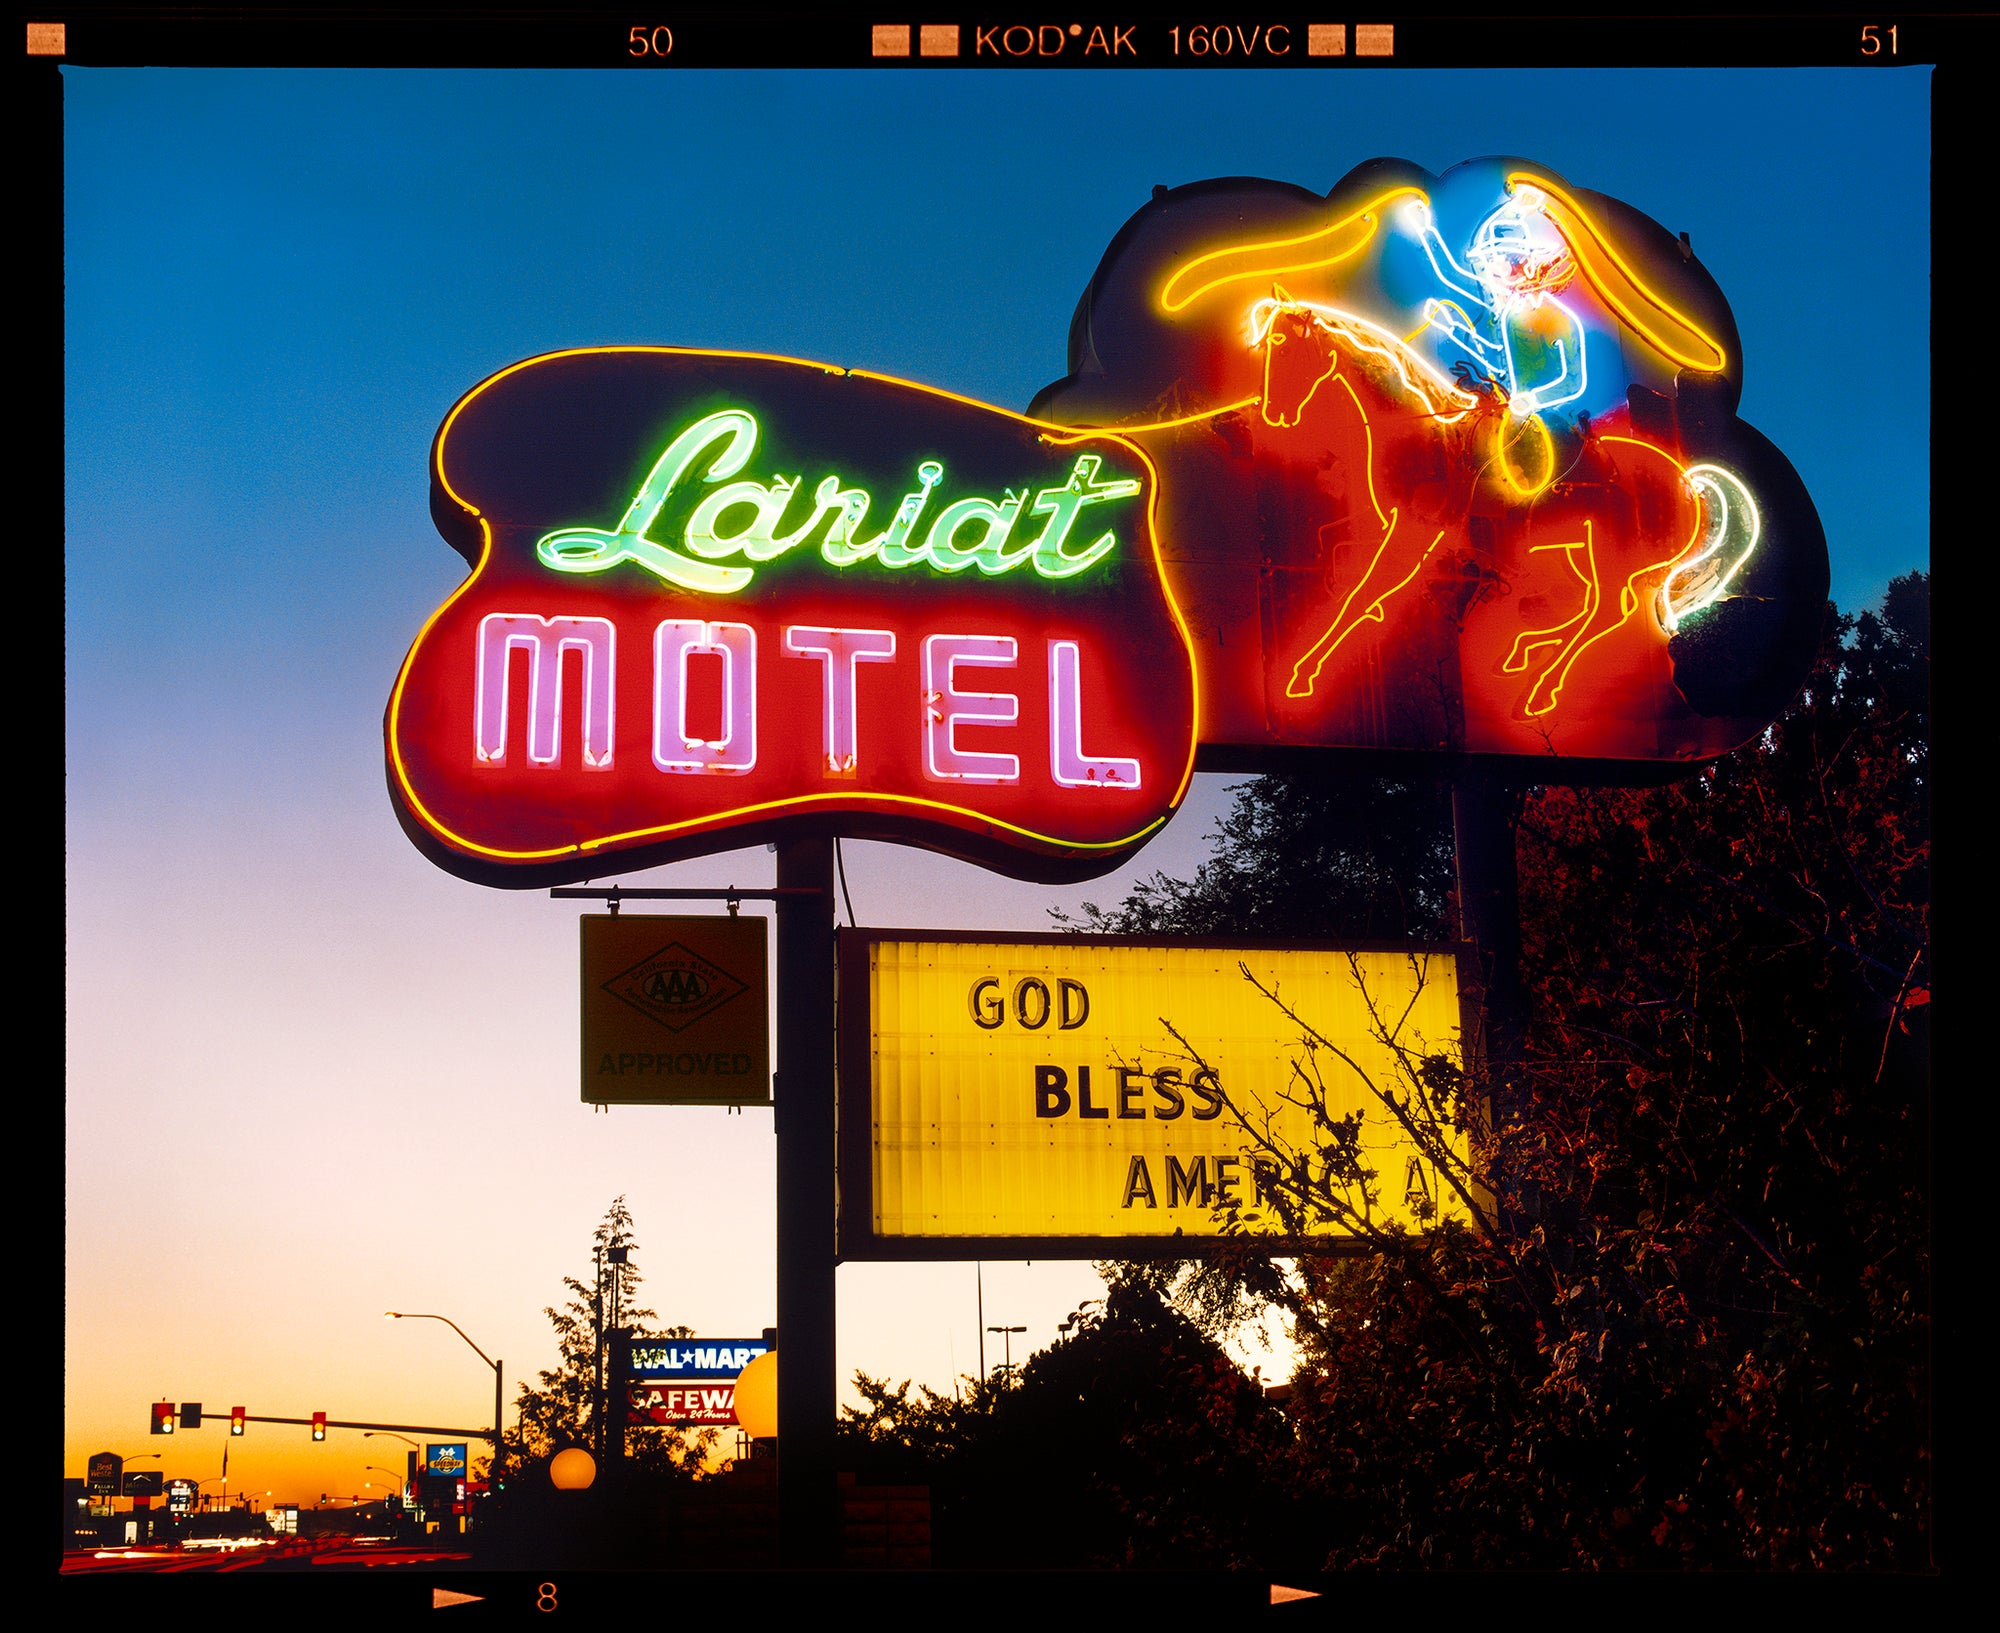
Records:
x=757, y=1397
x=572, y=1469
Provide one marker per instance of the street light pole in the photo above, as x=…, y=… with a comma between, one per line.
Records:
x=136, y=1457
x=499, y=1446
x=1007, y=1338
x=597, y=1354
x=410, y=1486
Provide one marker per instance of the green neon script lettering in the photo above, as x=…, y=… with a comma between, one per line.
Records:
x=1063, y=505
x=592, y=550
x=839, y=547
x=759, y=541
x=893, y=548
x=989, y=552
x=970, y=532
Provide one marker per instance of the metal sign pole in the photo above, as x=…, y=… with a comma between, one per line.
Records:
x=805, y=1129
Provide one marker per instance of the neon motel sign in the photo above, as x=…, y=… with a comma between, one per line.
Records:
x=812, y=596
x=1454, y=471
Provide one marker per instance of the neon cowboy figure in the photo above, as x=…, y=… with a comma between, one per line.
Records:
x=1504, y=311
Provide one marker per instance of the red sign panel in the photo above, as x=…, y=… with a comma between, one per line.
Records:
x=715, y=593
x=1457, y=471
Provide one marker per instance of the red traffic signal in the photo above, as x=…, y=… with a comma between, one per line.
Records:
x=236, y=1420
x=163, y=1417
x=319, y=1426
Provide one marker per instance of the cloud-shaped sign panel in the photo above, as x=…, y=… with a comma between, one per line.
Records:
x=1441, y=466
x=717, y=597
x=1454, y=467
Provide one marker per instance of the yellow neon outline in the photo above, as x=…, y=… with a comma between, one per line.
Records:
x=1195, y=418
x=1383, y=518
x=1556, y=675
x=1322, y=649
x=1269, y=345
x=1501, y=450
x=1590, y=242
x=1366, y=213
x=1068, y=437
x=1364, y=336
x=1059, y=435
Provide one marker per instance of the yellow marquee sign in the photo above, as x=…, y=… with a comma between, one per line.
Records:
x=1005, y=1093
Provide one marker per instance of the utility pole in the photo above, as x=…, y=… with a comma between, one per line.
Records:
x=1007, y=1338
x=597, y=1356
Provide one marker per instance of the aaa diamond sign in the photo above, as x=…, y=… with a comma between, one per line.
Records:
x=675, y=1011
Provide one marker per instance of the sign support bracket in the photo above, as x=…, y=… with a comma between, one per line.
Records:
x=613, y=895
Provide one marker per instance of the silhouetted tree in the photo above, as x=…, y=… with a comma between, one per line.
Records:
x=1318, y=853
x=1133, y=1441
x=1697, y=1334
x=561, y=1408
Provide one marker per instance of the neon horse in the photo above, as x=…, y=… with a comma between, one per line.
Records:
x=1630, y=486
x=1302, y=346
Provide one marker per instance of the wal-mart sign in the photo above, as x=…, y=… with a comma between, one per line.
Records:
x=696, y=1358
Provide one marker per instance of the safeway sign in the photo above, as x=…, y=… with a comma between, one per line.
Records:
x=685, y=1406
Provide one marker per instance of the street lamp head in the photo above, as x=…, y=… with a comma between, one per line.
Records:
x=392, y=1315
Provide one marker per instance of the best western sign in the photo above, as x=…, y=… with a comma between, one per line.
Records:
x=1031, y=1097
x=1441, y=465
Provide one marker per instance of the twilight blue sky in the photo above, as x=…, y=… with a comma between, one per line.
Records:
x=277, y=283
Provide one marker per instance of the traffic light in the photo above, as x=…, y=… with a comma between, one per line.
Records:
x=319, y=1426
x=236, y=1418
x=190, y=1414
x=163, y=1417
